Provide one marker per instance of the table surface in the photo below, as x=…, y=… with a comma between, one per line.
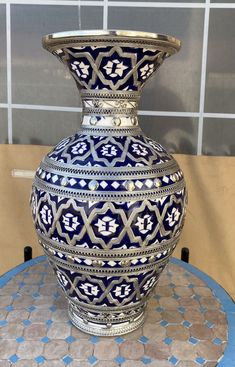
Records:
x=190, y=321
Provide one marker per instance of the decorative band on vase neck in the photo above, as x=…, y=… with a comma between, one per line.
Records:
x=110, y=108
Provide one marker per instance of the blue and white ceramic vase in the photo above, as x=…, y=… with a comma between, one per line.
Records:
x=108, y=203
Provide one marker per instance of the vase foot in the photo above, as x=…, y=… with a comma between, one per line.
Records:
x=99, y=329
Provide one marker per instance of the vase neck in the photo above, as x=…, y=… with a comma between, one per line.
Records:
x=109, y=108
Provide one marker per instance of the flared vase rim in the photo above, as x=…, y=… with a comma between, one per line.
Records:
x=54, y=41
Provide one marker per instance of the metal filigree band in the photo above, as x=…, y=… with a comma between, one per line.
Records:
x=166, y=43
x=109, y=329
x=110, y=108
x=109, y=195
x=110, y=130
x=100, y=264
x=105, y=172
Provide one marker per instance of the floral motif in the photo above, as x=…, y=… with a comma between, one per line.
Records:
x=70, y=222
x=139, y=149
x=122, y=291
x=79, y=148
x=109, y=150
x=46, y=214
x=115, y=68
x=62, y=279
x=106, y=225
x=89, y=289
x=149, y=283
x=81, y=69
x=173, y=217
x=144, y=224
x=146, y=71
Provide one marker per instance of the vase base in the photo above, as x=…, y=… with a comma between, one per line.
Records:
x=103, y=329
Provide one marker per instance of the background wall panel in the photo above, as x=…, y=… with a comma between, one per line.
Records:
x=179, y=134
x=220, y=84
x=176, y=86
x=43, y=127
x=37, y=77
x=3, y=63
x=3, y=126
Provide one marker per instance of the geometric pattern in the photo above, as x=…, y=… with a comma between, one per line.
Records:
x=108, y=225
x=50, y=339
x=106, y=184
x=109, y=189
x=109, y=151
x=66, y=223
x=111, y=68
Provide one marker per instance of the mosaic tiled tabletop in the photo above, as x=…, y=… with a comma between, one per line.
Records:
x=185, y=325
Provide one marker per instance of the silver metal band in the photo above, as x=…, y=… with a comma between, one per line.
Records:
x=110, y=254
x=106, y=172
x=109, y=195
x=106, y=271
x=107, y=329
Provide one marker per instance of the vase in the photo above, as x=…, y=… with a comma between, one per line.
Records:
x=108, y=203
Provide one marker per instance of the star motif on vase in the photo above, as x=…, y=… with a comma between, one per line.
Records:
x=109, y=150
x=81, y=69
x=149, y=283
x=89, y=289
x=70, y=222
x=122, y=291
x=173, y=217
x=115, y=68
x=139, y=149
x=106, y=226
x=146, y=71
x=144, y=223
x=62, y=279
x=46, y=214
x=79, y=148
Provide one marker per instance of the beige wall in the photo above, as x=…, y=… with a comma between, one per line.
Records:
x=209, y=229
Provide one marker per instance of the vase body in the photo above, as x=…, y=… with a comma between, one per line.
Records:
x=108, y=203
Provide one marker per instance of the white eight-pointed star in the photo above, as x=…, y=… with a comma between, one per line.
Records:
x=173, y=216
x=70, y=222
x=115, y=68
x=144, y=224
x=106, y=225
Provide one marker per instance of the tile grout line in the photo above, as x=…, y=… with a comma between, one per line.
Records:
x=168, y=113
x=53, y=2
x=203, y=77
x=123, y=4
x=215, y=115
x=9, y=85
x=140, y=112
x=79, y=109
x=79, y=14
x=167, y=4
x=45, y=108
x=105, y=14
